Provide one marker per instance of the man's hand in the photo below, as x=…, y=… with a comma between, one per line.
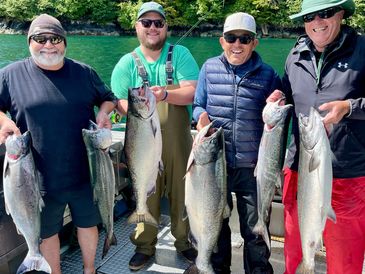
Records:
x=336, y=110
x=159, y=92
x=276, y=95
x=103, y=121
x=203, y=121
x=8, y=127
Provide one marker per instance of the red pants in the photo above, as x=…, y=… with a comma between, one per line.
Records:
x=344, y=240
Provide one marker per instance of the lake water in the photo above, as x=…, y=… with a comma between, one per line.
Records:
x=103, y=52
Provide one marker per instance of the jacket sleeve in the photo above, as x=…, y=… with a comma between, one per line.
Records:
x=200, y=99
x=357, y=109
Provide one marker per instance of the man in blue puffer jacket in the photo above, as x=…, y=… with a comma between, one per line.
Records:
x=232, y=91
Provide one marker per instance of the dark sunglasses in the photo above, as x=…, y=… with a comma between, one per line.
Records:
x=244, y=39
x=42, y=39
x=147, y=23
x=323, y=14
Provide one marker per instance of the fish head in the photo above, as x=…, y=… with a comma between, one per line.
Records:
x=207, y=144
x=310, y=128
x=16, y=146
x=141, y=102
x=274, y=114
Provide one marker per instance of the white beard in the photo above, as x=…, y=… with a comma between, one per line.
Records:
x=46, y=60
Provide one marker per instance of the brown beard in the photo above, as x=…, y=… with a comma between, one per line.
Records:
x=157, y=46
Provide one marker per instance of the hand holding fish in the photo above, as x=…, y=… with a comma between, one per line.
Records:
x=276, y=95
x=159, y=92
x=103, y=121
x=203, y=121
x=8, y=127
x=336, y=110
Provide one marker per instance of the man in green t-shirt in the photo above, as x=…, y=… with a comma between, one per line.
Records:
x=174, y=93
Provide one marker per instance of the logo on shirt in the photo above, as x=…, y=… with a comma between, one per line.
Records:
x=340, y=65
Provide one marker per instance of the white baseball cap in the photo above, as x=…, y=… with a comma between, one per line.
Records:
x=240, y=21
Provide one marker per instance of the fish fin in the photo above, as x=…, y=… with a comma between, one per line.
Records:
x=154, y=127
x=151, y=191
x=185, y=214
x=279, y=183
x=331, y=215
x=160, y=167
x=147, y=218
x=226, y=212
x=313, y=162
x=190, y=161
x=255, y=171
x=37, y=263
x=6, y=208
x=40, y=204
x=193, y=240
x=261, y=229
x=108, y=243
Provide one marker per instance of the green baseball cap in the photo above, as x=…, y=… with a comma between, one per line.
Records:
x=151, y=6
x=310, y=6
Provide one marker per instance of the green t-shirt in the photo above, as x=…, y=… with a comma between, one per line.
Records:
x=125, y=73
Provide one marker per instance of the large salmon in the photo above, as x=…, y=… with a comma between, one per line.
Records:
x=23, y=199
x=314, y=186
x=206, y=193
x=143, y=149
x=271, y=155
x=98, y=141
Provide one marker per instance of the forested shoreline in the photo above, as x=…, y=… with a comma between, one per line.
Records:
x=113, y=17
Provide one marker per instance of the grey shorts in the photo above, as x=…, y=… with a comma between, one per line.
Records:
x=84, y=211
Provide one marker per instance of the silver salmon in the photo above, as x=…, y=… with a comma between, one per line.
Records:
x=206, y=193
x=97, y=142
x=143, y=149
x=314, y=186
x=269, y=166
x=23, y=199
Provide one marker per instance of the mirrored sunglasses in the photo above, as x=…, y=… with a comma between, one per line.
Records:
x=147, y=23
x=323, y=14
x=244, y=39
x=42, y=39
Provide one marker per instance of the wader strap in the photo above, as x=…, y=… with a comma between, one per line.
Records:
x=169, y=67
x=143, y=73
x=141, y=70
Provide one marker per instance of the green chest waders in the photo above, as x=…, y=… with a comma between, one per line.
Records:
x=176, y=146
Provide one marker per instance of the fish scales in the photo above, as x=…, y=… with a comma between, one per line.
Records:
x=314, y=186
x=143, y=150
x=102, y=178
x=23, y=198
x=206, y=194
x=271, y=154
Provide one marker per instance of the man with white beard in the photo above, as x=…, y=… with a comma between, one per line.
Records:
x=53, y=98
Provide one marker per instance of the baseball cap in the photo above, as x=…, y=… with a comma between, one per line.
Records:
x=151, y=6
x=240, y=21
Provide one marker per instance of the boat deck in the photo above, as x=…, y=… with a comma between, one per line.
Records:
x=166, y=259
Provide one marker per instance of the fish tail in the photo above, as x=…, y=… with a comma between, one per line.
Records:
x=147, y=218
x=109, y=241
x=305, y=269
x=261, y=229
x=37, y=263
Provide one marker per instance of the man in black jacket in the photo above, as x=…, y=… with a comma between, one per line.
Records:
x=326, y=70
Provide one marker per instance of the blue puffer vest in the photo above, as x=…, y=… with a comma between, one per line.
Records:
x=237, y=105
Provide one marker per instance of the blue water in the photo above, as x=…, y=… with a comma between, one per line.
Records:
x=103, y=52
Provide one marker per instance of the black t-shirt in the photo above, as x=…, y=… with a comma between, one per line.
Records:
x=54, y=106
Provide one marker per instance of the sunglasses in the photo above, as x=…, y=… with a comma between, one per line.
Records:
x=244, y=39
x=323, y=14
x=147, y=23
x=42, y=39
